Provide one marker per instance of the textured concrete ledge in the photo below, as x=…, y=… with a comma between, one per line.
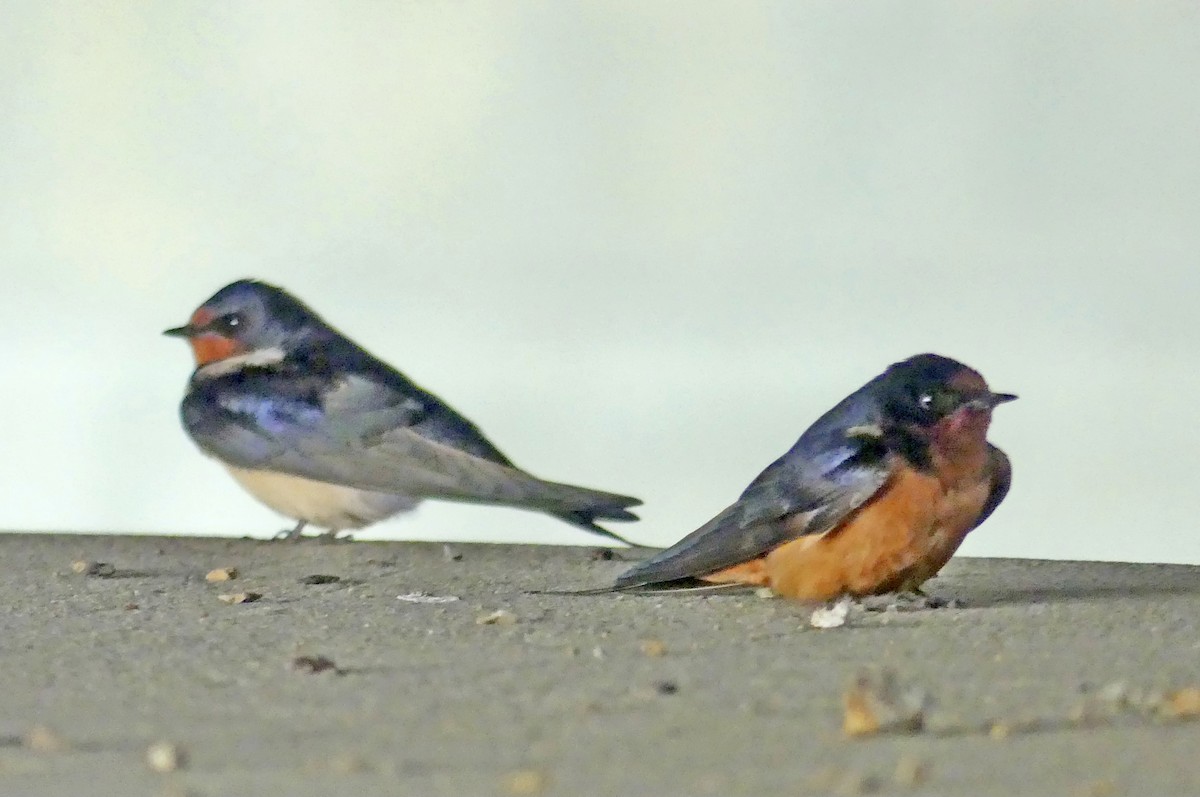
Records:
x=609, y=695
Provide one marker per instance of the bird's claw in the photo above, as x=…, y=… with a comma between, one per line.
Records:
x=910, y=601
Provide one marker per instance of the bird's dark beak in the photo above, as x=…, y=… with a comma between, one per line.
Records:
x=185, y=331
x=990, y=401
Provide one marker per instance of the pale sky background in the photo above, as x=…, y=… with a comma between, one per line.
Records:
x=642, y=244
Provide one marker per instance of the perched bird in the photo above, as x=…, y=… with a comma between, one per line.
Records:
x=874, y=497
x=327, y=434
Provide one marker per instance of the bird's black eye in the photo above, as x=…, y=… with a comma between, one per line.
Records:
x=939, y=400
x=227, y=324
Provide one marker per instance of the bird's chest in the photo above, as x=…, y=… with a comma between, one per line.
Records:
x=895, y=542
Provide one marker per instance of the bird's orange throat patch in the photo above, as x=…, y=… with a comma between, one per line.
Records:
x=210, y=348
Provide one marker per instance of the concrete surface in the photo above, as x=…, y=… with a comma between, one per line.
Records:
x=608, y=695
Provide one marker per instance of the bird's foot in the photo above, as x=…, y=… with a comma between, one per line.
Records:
x=293, y=534
x=911, y=601
x=331, y=537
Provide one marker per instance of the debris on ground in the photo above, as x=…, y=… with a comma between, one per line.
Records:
x=221, y=574
x=425, y=597
x=526, y=781
x=239, y=597
x=451, y=554
x=498, y=617
x=86, y=567
x=654, y=648
x=315, y=664
x=320, y=578
x=832, y=616
x=876, y=702
x=165, y=757
x=42, y=739
x=1180, y=704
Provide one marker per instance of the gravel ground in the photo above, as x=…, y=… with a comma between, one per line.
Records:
x=1050, y=678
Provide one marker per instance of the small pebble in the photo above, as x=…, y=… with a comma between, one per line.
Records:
x=498, y=617
x=1181, y=704
x=875, y=702
x=451, y=554
x=666, y=688
x=164, y=757
x=654, y=648
x=98, y=569
x=526, y=781
x=314, y=664
x=319, y=578
x=41, y=739
x=221, y=574
x=239, y=597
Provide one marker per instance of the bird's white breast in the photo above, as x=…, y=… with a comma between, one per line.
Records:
x=325, y=505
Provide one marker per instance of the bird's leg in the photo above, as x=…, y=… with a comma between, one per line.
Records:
x=292, y=534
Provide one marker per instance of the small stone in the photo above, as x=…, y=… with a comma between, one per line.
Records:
x=911, y=771
x=875, y=702
x=526, y=781
x=164, y=757
x=764, y=592
x=129, y=607
x=221, y=574
x=88, y=568
x=239, y=597
x=42, y=739
x=498, y=617
x=654, y=648
x=451, y=554
x=666, y=688
x=320, y=578
x=1180, y=704
x=314, y=664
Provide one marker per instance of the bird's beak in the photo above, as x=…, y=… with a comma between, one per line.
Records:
x=185, y=331
x=991, y=400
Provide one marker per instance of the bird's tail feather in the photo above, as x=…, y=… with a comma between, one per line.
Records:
x=582, y=507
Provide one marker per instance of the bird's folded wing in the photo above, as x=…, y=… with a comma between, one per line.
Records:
x=372, y=447
x=836, y=466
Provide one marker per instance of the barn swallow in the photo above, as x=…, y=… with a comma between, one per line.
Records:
x=873, y=498
x=323, y=432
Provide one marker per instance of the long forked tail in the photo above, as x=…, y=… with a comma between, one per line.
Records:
x=582, y=507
